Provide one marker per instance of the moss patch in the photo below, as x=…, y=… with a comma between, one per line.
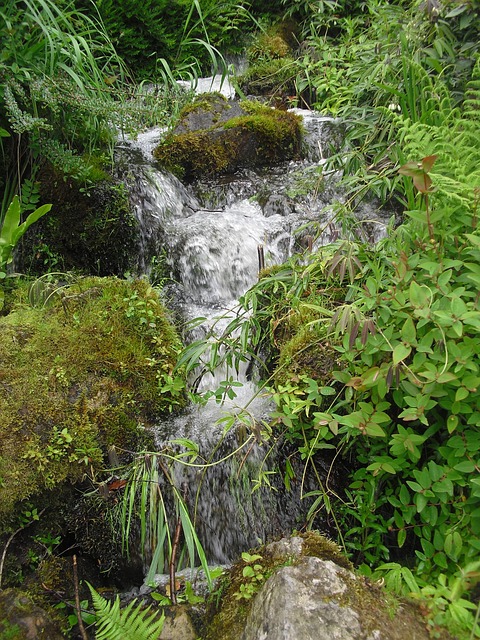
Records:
x=78, y=375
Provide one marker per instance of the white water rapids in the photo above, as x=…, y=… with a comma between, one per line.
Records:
x=208, y=235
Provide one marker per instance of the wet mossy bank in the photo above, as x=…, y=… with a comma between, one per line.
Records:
x=81, y=370
x=90, y=228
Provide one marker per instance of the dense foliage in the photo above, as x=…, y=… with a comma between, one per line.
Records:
x=161, y=31
x=65, y=95
x=371, y=354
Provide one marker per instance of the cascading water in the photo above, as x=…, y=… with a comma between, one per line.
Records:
x=209, y=235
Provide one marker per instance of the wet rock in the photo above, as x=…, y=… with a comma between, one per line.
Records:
x=178, y=625
x=21, y=619
x=218, y=136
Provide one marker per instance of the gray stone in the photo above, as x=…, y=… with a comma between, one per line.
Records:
x=303, y=602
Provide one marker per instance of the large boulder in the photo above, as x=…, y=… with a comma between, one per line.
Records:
x=312, y=593
x=217, y=136
x=81, y=363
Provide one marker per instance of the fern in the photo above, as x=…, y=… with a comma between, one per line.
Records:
x=456, y=142
x=131, y=623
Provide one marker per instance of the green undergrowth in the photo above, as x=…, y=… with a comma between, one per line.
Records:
x=373, y=353
x=84, y=366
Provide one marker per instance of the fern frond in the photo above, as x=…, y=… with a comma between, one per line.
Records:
x=131, y=623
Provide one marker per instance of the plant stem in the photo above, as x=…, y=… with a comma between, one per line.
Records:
x=78, y=610
x=429, y=222
x=176, y=539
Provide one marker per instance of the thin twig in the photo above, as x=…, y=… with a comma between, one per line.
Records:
x=83, y=633
x=176, y=540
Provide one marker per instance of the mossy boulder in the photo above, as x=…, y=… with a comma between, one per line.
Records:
x=81, y=369
x=303, y=587
x=218, y=136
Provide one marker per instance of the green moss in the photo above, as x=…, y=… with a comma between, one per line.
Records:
x=318, y=546
x=204, y=102
x=189, y=155
x=78, y=375
x=279, y=132
x=277, y=41
x=308, y=353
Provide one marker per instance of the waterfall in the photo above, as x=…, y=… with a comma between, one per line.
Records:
x=209, y=234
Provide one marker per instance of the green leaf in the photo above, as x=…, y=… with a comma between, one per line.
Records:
x=408, y=333
x=453, y=545
x=467, y=466
x=452, y=423
x=420, y=295
x=374, y=430
x=400, y=352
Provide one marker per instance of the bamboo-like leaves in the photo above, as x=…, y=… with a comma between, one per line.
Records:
x=152, y=499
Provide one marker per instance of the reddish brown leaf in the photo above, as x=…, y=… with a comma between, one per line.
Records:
x=422, y=182
x=115, y=485
x=428, y=162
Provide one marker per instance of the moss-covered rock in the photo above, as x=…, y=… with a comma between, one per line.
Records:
x=228, y=610
x=219, y=136
x=305, y=587
x=79, y=372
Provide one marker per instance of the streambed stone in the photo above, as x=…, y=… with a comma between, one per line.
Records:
x=303, y=602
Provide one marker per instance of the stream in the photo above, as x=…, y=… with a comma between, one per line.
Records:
x=207, y=235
